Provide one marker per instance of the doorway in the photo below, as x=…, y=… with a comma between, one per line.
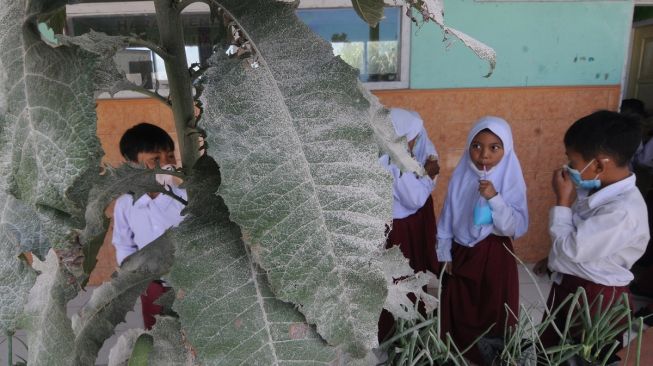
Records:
x=640, y=73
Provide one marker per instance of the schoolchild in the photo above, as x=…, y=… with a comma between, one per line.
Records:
x=137, y=224
x=599, y=226
x=484, y=210
x=413, y=225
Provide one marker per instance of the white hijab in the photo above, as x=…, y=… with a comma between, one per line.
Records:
x=456, y=220
x=410, y=125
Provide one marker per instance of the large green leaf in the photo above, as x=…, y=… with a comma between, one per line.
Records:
x=226, y=308
x=295, y=140
x=50, y=116
x=53, y=340
x=163, y=345
x=20, y=231
x=50, y=338
x=47, y=143
x=112, y=300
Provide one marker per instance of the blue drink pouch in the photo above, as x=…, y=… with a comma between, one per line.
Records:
x=482, y=213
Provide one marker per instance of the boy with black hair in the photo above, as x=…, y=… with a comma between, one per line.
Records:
x=137, y=224
x=599, y=226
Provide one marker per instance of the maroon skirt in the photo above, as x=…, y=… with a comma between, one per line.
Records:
x=568, y=286
x=415, y=236
x=474, y=298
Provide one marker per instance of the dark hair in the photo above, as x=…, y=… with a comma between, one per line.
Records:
x=634, y=108
x=144, y=137
x=616, y=135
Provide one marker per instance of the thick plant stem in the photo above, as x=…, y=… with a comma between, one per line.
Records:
x=169, y=22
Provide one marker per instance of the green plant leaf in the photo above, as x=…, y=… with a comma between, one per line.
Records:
x=295, y=140
x=169, y=344
x=163, y=345
x=226, y=308
x=49, y=131
x=50, y=338
x=20, y=231
x=142, y=349
x=112, y=300
x=121, y=352
x=371, y=11
x=47, y=143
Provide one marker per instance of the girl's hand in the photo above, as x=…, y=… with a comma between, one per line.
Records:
x=432, y=167
x=447, y=268
x=486, y=188
x=563, y=188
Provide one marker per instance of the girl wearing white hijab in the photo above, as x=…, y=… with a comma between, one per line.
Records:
x=484, y=210
x=413, y=224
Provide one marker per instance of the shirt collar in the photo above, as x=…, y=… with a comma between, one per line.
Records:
x=162, y=200
x=611, y=192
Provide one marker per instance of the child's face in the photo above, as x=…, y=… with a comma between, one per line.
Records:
x=486, y=150
x=153, y=159
x=587, y=168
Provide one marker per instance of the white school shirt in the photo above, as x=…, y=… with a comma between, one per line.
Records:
x=137, y=224
x=601, y=236
x=409, y=191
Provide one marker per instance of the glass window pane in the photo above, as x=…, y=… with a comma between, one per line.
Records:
x=374, y=51
x=141, y=65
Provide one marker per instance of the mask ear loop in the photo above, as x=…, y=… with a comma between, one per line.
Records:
x=588, y=165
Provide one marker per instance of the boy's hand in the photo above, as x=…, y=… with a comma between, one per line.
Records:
x=432, y=168
x=486, y=188
x=542, y=267
x=563, y=188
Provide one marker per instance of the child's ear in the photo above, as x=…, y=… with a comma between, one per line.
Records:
x=602, y=163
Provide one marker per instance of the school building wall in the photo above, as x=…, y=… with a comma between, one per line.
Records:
x=557, y=61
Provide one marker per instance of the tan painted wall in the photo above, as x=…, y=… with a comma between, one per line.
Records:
x=538, y=116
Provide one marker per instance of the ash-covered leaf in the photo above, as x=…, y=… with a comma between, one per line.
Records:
x=226, y=308
x=482, y=50
x=167, y=345
x=112, y=300
x=50, y=338
x=295, y=141
x=433, y=10
x=16, y=279
x=402, y=280
x=47, y=142
x=107, y=76
x=49, y=124
x=96, y=42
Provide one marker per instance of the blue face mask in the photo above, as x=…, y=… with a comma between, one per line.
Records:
x=587, y=184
